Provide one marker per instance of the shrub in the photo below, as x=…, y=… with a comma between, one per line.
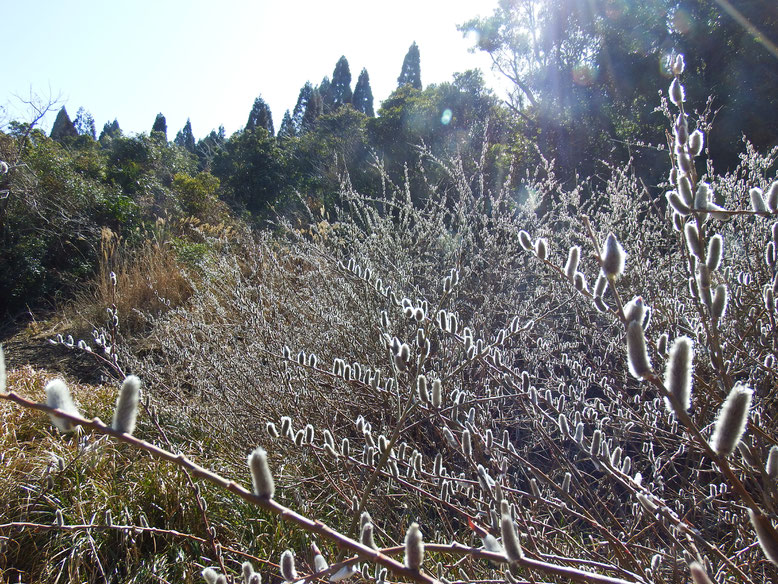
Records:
x=452, y=373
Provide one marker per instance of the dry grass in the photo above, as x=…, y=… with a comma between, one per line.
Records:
x=84, y=478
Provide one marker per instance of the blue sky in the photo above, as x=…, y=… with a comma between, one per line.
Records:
x=208, y=61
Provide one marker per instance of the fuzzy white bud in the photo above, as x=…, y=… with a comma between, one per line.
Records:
x=261, y=478
x=678, y=374
x=677, y=93
x=58, y=396
x=288, y=570
x=126, y=411
x=414, y=548
x=731, y=421
x=612, y=256
x=637, y=354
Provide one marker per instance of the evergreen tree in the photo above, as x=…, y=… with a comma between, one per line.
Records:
x=325, y=92
x=363, y=95
x=260, y=117
x=63, y=127
x=341, y=84
x=209, y=147
x=411, y=71
x=111, y=130
x=185, y=137
x=160, y=126
x=287, y=129
x=302, y=103
x=313, y=111
x=85, y=124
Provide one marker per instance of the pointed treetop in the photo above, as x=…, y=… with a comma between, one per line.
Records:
x=411, y=71
x=85, y=124
x=363, y=95
x=341, y=84
x=325, y=92
x=260, y=117
x=302, y=103
x=287, y=129
x=63, y=127
x=160, y=125
x=111, y=130
x=185, y=137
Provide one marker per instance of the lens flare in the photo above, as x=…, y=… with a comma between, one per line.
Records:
x=445, y=118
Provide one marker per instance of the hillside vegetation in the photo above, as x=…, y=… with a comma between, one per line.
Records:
x=459, y=355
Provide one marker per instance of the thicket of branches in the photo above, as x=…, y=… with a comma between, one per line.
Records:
x=572, y=388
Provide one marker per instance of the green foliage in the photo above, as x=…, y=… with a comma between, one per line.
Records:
x=287, y=129
x=110, y=130
x=63, y=128
x=260, y=117
x=341, y=84
x=411, y=70
x=85, y=124
x=185, y=137
x=335, y=147
x=251, y=168
x=363, y=95
x=197, y=195
x=582, y=72
x=159, y=128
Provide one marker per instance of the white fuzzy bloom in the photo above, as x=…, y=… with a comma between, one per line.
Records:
x=58, y=396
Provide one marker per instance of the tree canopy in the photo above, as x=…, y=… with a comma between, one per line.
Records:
x=411, y=69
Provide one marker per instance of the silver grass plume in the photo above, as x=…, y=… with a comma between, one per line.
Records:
x=510, y=539
x=58, y=396
x=126, y=412
x=678, y=374
x=637, y=354
x=731, y=422
x=288, y=570
x=262, y=480
x=765, y=535
x=612, y=256
x=699, y=576
x=414, y=547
